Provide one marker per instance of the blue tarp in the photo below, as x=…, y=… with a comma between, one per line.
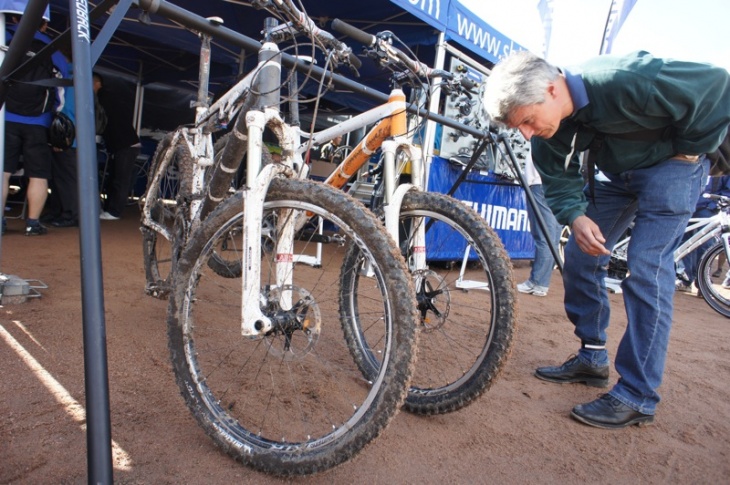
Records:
x=502, y=204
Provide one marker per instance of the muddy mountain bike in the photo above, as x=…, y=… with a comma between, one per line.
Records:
x=256, y=338
x=461, y=271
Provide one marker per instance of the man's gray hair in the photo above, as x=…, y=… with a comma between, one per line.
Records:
x=520, y=79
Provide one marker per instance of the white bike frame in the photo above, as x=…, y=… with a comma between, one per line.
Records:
x=716, y=226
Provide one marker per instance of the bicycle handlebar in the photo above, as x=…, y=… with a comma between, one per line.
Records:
x=722, y=200
x=392, y=53
x=715, y=196
x=388, y=53
x=301, y=23
x=351, y=31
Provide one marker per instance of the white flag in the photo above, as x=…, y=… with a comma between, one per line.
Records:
x=545, y=7
x=620, y=9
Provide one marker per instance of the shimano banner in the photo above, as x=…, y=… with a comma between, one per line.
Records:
x=501, y=204
x=462, y=26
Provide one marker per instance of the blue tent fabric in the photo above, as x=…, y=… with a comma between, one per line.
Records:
x=18, y=7
x=166, y=52
x=159, y=51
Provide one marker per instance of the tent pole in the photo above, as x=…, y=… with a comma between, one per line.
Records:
x=429, y=136
x=138, y=97
x=98, y=432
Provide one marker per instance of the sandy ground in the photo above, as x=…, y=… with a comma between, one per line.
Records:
x=519, y=432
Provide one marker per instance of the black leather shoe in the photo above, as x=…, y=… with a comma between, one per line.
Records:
x=608, y=412
x=573, y=370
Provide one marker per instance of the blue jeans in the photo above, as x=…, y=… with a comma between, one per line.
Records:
x=660, y=200
x=542, y=266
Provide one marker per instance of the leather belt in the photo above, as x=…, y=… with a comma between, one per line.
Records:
x=687, y=158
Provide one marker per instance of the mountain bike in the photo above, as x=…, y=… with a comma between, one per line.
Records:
x=709, y=279
x=461, y=271
x=256, y=338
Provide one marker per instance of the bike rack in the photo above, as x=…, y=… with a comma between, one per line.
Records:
x=14, y=289
x=469, y=284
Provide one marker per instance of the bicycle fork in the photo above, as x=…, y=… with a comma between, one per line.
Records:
x=253, y=320
x=393, y=199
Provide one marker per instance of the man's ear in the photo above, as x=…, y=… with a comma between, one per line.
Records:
x=552, y=90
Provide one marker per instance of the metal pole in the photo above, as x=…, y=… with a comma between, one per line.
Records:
x=98, y=433
x=2, y=142
x=429, y=136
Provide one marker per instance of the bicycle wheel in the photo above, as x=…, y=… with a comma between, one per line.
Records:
x=710, y=286
x=161, y=197
x=291, y=402
x=466, y=305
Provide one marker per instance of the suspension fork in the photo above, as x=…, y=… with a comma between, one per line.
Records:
x=393, y=195
x=253, y=320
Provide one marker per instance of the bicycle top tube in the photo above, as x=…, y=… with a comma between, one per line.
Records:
x=230, y=103
x=392, y=122
x=700, y=222
x=386, y=110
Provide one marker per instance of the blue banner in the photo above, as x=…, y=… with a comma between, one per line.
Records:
x=476, y=35
x=433, y=12
x=462, y=26
x=501, y=204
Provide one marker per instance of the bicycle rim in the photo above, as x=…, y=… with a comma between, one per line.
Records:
x=293, y=402
x=711, y=275
x=466, y=311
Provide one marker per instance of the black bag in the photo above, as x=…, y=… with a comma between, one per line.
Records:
x=62, y=132
x=28, y=95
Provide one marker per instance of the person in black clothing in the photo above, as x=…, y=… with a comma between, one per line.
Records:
x=28, y=114
x=123, y=145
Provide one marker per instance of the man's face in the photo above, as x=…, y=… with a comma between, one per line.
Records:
x=542, y=119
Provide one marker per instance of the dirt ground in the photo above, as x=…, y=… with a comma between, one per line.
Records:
x=519, y=432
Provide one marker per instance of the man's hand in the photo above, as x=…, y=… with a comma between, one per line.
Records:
x=588, y=236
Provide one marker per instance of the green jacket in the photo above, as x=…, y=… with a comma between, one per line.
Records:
x=628, y=94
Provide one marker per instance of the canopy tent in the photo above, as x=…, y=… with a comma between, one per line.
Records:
x=152, y=50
